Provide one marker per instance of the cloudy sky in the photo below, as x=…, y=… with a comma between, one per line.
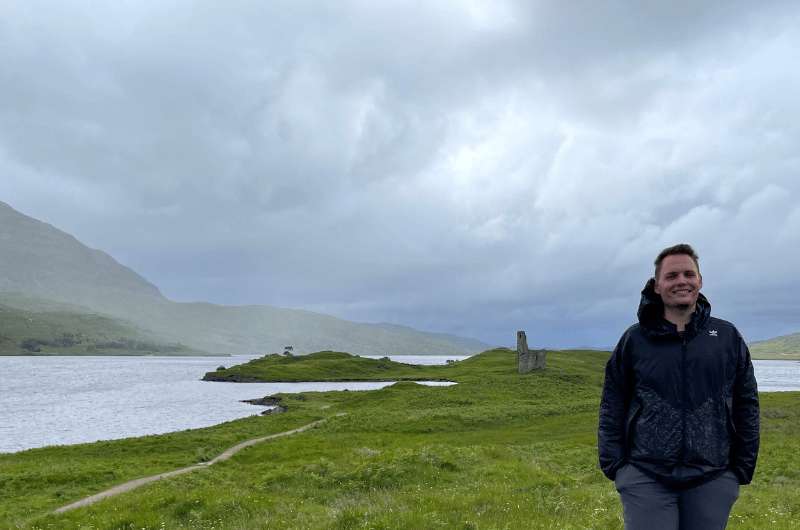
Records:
x=458, y=166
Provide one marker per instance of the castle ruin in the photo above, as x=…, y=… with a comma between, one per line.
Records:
x=528, y=360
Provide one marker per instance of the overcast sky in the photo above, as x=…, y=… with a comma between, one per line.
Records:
x=457, y=166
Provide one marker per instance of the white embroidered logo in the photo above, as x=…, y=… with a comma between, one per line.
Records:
x=712, y=332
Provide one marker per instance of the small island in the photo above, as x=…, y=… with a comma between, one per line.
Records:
x=329, y=366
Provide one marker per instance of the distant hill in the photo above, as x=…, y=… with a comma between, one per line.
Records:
x=41, y=265
x=71, y=333
x=787, y=346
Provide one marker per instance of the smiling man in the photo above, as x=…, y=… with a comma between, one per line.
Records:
x=679, y=428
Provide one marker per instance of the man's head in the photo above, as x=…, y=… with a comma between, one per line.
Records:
x=678, y=279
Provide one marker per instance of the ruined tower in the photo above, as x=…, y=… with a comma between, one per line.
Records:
x=528, y=360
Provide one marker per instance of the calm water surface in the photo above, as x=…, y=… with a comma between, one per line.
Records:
x=67, y=400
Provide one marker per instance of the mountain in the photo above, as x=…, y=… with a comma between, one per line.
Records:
x=41, y=265
x=42, y=261
x=786, y=346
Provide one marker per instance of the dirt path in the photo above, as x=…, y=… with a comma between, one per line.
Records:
x=133, y=484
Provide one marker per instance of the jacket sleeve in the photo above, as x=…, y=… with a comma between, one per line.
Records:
x=613, y=411
x=744, y=450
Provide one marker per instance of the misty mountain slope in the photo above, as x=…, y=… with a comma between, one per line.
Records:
x=245, y=329
x=26, y=332
x=37, y=304
x=38, y=261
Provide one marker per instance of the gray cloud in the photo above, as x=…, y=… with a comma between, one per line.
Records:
x=451, y=167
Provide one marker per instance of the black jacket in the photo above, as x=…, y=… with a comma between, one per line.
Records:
x=683, y=408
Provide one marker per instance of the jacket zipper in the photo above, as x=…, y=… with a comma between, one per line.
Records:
x=684, y=399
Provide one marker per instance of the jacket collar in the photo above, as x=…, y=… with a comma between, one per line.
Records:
x=651, y=313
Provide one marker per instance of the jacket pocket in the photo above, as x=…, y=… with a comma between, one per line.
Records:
x=633, y=414
x=729, y=415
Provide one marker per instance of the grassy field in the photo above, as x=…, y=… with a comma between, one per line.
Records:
x=498, y=450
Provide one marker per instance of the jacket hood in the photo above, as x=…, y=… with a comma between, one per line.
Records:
x=651, y=313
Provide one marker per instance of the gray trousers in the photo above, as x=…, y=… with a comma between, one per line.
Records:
x=650, y=505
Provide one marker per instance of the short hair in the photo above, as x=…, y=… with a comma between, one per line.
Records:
x=679, y=249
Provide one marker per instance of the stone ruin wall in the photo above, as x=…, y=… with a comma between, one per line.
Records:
x=528, y=360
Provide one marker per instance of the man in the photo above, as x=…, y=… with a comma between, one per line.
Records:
x=679, y=426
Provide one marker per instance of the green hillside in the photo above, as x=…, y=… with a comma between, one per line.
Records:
x=785, y=347
x=497, y=450
x=70, y=333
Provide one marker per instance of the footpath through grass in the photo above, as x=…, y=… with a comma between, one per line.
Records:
x=498, y=450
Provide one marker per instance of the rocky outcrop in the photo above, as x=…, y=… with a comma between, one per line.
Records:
x=274, y=402
x=226, y=377
x=266, y=401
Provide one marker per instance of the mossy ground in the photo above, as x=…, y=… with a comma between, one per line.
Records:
x=498, y=450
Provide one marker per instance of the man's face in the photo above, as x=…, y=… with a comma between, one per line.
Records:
x=679, y=282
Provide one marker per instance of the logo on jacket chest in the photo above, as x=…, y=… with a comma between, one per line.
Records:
x=712, y=332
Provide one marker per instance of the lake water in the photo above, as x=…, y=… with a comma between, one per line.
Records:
x=67, y=400
x=777, y=376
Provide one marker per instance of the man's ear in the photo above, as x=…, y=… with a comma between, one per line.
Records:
x=656, y=287
x=701, y=280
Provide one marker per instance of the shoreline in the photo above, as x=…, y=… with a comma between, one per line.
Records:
x=753, y=356
x=273, y=404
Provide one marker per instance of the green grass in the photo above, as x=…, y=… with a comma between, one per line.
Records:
x=329, y=366
x=498, y=450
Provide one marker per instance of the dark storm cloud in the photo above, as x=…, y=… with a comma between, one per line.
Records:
x=465, y=166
